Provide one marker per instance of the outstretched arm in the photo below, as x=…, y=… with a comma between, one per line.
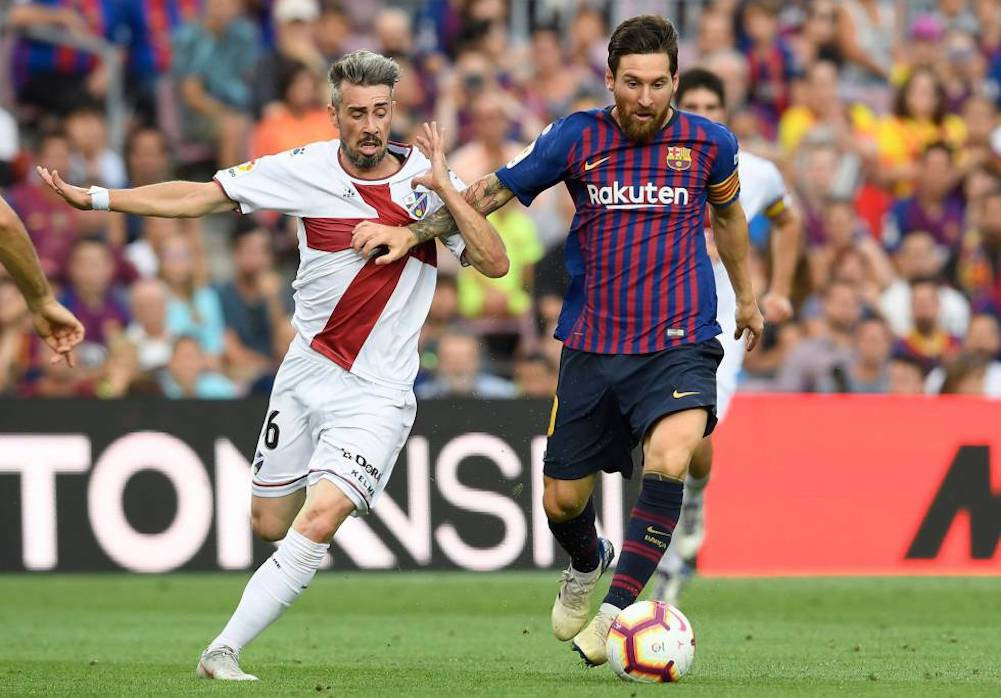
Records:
x=730, y=229
x=55, y=324
x=165, y=200
x=484, y=196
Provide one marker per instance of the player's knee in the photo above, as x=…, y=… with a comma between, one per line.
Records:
x=562, y=503
x=267, y=526
x=669, y=458
x=321, y=517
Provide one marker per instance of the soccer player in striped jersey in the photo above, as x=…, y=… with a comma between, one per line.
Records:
x=639, y=319
x=762, y=192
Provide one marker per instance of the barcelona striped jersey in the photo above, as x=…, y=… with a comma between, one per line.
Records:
x=641, y=280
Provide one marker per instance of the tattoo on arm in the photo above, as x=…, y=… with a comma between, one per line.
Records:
x=486, y=195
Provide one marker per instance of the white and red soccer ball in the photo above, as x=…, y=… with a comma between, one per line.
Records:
x=651, y=642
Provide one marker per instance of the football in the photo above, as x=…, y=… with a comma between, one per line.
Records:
x=651, y=642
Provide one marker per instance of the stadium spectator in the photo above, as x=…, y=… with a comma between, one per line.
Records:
x=91, y=159
x=927, y=339
x=981, y=117
x=536, y=376
x=932, y=208
x=459, y=372
x=982, y=343
x=193, y=308
x=148, y=331
x=919, y=118
x=490, y=146
x=255, y=309
x=298, y=119
x=52, y=226
x=811, y=363
x=964, y=375
x=866, y=37
x=867, y=370
x=188, y=374
x=917, y=257
x=89, y=293
x=770, y=60
x=393, y=32
x=296, y=26
x=976, y=266
x=552, y=87
x=214, y=59
x=843, y=230
x=905, y=374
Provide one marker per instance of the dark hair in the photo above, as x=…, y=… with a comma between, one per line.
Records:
x=932, y=281
x=641, y=35
x=700, y=79
x=938, y=145
x=288, y=72
x=900, y=99
x=362, y=68
x=88, y=240
x=245, y=227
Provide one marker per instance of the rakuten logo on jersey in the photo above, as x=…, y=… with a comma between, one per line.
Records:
x=647, y=195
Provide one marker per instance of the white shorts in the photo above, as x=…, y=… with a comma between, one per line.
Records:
x=733, y=349
x=326, y=423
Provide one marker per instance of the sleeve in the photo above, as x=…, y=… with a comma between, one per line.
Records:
x=267, y=183
x=724, y=182
x=540, y=165
x=777, y=199
x=454, y=242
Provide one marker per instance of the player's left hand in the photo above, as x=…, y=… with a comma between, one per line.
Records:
x=432, y=144
x=369, y=236
x=749, y=323
x=777, y=308
x=58, y=328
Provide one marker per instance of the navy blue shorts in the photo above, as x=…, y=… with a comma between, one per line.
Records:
x=606, y=403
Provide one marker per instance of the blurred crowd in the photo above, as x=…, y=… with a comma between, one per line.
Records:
x=882, y=115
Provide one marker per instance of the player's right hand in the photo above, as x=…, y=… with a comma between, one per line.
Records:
x=58, y=328
x=77, y=197
x=750, y=323
x=368, y=236
x=432, y=144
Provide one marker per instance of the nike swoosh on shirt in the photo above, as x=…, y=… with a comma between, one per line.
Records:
x=588, y=166
x=677, y=396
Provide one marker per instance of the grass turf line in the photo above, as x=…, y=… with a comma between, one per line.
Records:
x=468, y=634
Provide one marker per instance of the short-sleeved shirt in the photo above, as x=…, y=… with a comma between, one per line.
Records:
x=224, y=64
x=364, y=317
x=640, y=278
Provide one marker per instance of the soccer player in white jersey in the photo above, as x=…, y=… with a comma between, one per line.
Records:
x=762, y=190
x=342, y=404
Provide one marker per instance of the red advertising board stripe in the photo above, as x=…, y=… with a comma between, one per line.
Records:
x=806, y=485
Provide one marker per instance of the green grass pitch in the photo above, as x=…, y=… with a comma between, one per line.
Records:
x=461, y=634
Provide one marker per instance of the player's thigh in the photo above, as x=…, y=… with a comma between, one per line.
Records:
x=587, y=433
x=272, y=516
x=671, y=442
x=653, y=388
x=565, y=499
x=286, y=441
x=360, y=438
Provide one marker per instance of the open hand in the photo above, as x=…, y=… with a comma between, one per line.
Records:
x=432, y=144
x=77, y=197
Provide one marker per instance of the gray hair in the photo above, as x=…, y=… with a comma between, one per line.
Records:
x=362, y=68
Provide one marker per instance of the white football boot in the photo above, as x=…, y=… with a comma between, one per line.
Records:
x=573, y=602
x=590, y=642
x=222, y=664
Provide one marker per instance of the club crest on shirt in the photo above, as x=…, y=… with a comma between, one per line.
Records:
x=416, y=203
x=679, y=157
x=241, y=170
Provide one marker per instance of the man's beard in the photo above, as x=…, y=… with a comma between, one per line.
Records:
x=359, y=159
x=640, y=131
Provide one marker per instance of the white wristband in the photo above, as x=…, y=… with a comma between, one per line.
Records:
x=100, y=198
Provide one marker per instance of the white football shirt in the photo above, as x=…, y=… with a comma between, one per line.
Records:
x=363, y=317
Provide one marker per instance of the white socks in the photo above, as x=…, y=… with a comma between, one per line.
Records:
x=694, y=487
x=272, y=589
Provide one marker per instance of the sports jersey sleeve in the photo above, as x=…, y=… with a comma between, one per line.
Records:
x=724, y=182
x=777, y=199
x=540, y=165
x=454, y=242
x=266, y=183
